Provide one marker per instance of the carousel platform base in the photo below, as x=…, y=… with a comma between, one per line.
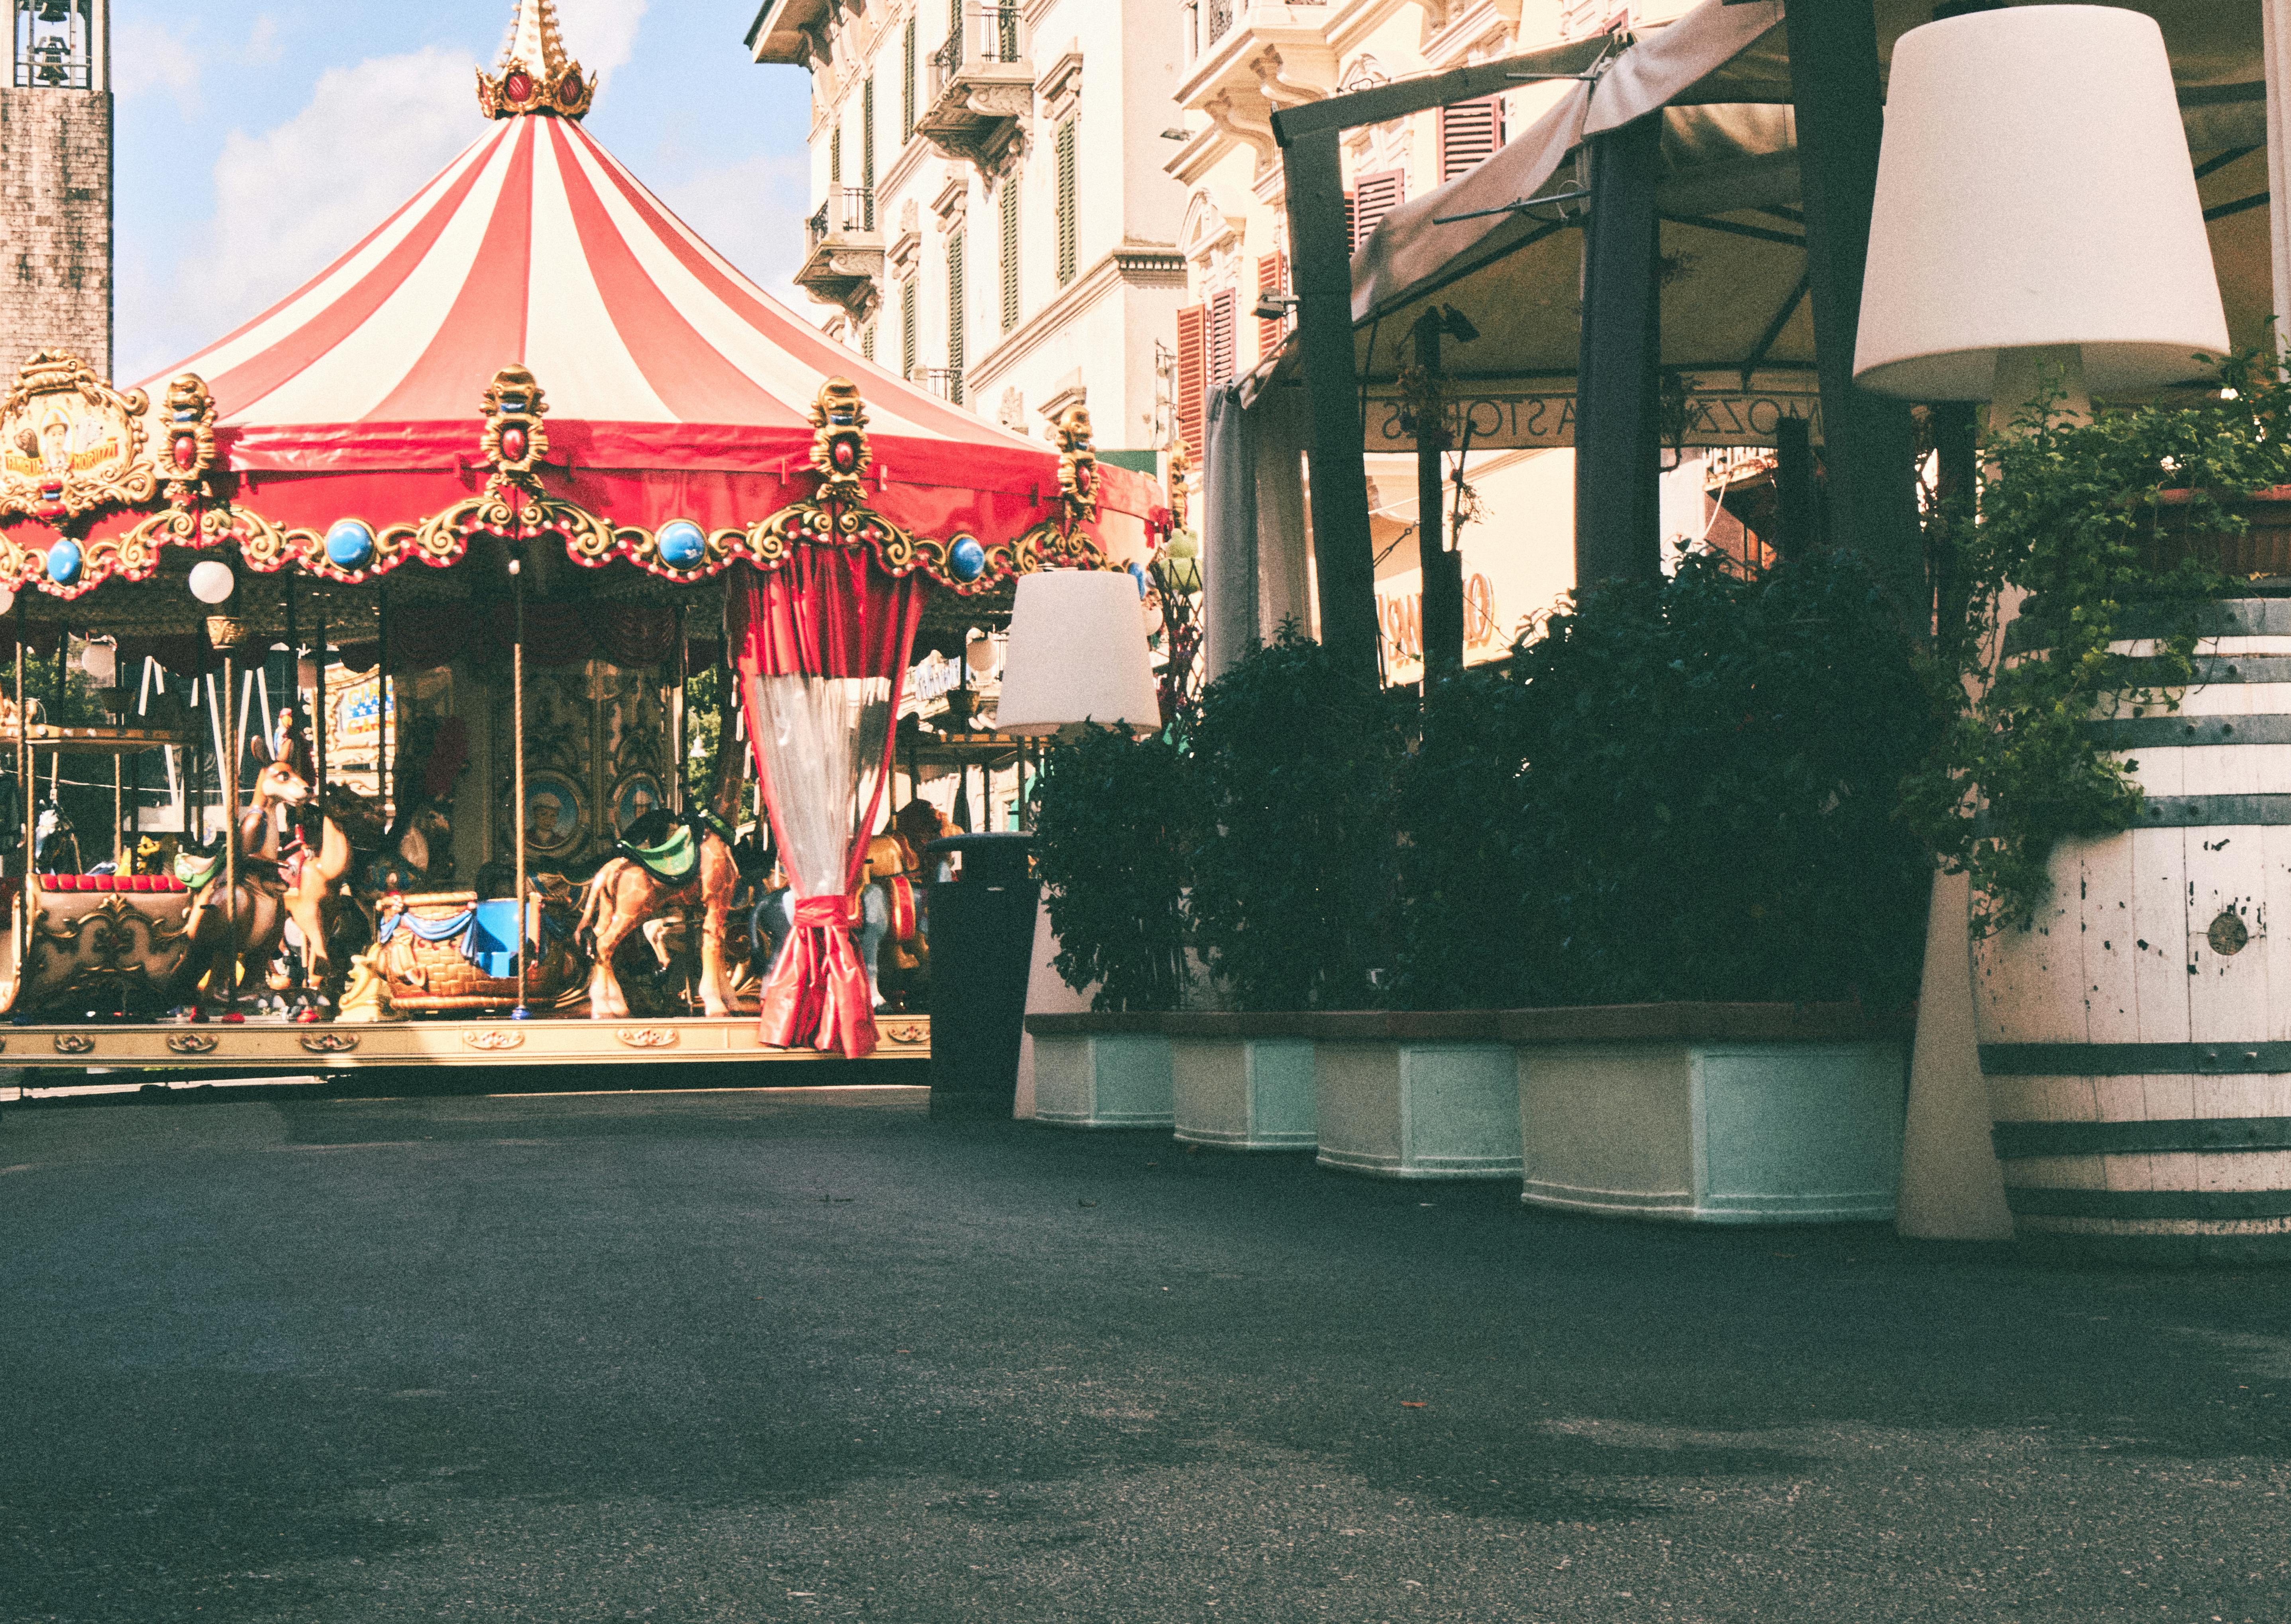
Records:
x=270, y=1043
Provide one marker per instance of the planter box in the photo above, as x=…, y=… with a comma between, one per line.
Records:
x=1101, y=1070
x=1416, y=1096
x=1711, y=1114
x=1239, y=1087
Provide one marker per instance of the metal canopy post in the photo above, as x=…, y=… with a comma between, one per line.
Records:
x=1322, y=259
x=1618, y=392
x=1443, y=569
x=1870, y=446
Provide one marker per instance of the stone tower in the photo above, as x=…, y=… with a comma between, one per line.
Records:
x=55, y=183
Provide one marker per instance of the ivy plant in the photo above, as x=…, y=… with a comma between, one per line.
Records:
x=2078, y=522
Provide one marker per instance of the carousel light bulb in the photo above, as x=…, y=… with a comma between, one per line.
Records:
x=212, y=582
x=516, y=565
x=7, y=599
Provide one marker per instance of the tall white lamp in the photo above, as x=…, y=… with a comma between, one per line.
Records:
x=1077, y=654
x=2036, y=214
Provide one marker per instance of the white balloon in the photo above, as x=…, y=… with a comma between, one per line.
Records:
x=7, y=599
x=212, y=581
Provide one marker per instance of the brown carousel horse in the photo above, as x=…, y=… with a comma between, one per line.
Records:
x=272, y=888
x=692, y=870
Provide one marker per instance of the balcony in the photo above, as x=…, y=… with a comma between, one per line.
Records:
x=944, y=381
x=1246, y=59
x=981, y=86
x=844, y=254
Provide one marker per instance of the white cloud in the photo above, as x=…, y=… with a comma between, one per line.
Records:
x=751, y=212
x=600, y=35
x=149, y=57
x=292, y=199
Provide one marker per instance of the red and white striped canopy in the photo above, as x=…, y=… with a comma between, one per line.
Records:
x=658, y=358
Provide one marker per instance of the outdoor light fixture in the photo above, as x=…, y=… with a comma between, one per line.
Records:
x=212, y=581
x=100, y=659
x=1273, y=307
x=1077, y=654
x=2036, y=219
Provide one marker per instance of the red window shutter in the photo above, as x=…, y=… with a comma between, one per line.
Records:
x=1271, y=281
x=1225, y=359
x=1192, y=376
x=1375, y=197
x=1469, y=132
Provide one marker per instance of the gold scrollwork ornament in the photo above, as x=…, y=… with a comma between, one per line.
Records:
x=70, y=443
x=190, y=440
x=838, y=440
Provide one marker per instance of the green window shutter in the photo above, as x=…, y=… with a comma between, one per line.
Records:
x=907, y=86
x=1009, y=251
x=867, y=341
x=954, y=316
x=867, y=153
x=835, y=156
x=1065, y=151
x=907, y=329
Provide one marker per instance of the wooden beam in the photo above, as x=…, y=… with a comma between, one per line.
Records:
x=1398, y=100
x=1617, y=391
x=1868, y=442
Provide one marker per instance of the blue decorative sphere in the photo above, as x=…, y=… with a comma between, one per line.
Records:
x=966, y=559
x=64, y=562
x=682, y=543
x=350, y=544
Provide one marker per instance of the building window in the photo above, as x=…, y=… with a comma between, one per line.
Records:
x=1193, y=377
x=835, y=154
x=908, y=324
x=1066, y=210
x=1009, y=251
x=1371, y=198
x=867, y=149
x=955, y=317
x=1469, y=134
x=907, y=86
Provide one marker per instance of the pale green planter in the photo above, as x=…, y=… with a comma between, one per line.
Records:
x=1396, y=1105
x=1101, y=1070
x=1700, y=1127
x=1240, y=1091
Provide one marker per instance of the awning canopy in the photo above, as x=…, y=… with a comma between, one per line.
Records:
x=1737, y=330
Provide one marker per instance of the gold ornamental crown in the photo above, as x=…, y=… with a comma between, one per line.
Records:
x=534, y=75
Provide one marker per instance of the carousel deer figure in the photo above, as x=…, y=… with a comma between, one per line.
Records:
x=626, y=893
x=271, y=889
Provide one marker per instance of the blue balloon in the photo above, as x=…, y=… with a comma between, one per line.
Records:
x=682, y=543
x=63, y=562
x=350, y=544
x=966, y=559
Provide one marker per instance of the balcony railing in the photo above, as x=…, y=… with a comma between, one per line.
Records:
x=1213, y=20
x=944, y=381
x=847, y=209
x=981, y=33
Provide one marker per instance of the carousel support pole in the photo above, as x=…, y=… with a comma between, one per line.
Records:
x=384, y=702
x=676, y=723
x=227, y=780
x=516, y=753
x=24, y=785
x=318, y=708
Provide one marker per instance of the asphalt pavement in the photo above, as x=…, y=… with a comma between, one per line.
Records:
x=808, y=1354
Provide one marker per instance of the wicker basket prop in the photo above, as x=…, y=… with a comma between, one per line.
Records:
x=447, y=951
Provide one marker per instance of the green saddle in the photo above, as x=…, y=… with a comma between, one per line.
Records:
x=195, y=871
x=674, y=859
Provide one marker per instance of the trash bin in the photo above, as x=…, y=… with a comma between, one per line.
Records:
x=982, y=945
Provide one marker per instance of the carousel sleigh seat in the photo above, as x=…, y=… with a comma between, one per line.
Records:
x=446, y=951
x=101, y=944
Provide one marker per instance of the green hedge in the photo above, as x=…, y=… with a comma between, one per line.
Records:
x=1682, y=789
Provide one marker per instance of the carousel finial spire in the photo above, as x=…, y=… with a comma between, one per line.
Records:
x=534, y=75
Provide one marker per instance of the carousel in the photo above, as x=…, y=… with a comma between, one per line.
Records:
x=517, y=615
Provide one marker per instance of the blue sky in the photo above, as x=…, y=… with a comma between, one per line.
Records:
x=256, y=142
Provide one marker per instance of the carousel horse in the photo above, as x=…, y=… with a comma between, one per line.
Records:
x=664, y=865
x=274, y=885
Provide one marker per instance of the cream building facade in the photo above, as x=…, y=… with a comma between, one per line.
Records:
x=1243, y=62
x=993, y=218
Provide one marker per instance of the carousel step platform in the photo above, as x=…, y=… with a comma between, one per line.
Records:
x=265, y=1041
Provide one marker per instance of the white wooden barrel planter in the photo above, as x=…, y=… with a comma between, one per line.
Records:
x=2137, y=1054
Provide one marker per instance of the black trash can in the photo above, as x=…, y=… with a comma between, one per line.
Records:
x=982, y=945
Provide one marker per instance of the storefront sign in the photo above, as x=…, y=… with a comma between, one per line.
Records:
x=1500, y=420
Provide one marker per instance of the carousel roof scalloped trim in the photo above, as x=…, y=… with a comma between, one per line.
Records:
x=71, y=447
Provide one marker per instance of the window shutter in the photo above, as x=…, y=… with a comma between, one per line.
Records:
x=835, y=154
x=1352, y=221
x=907, y=86
x=867, y=153
x=955, y=317
x=1223, y=360
x=1009, y=250
x=1272, y=280
x=1375, y=197
x=867, y=341
x=907, y=329
x=1469, y=132
x=1192, y=376
x=1066, y=262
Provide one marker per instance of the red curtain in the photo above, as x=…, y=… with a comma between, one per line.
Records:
x=821, y=645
